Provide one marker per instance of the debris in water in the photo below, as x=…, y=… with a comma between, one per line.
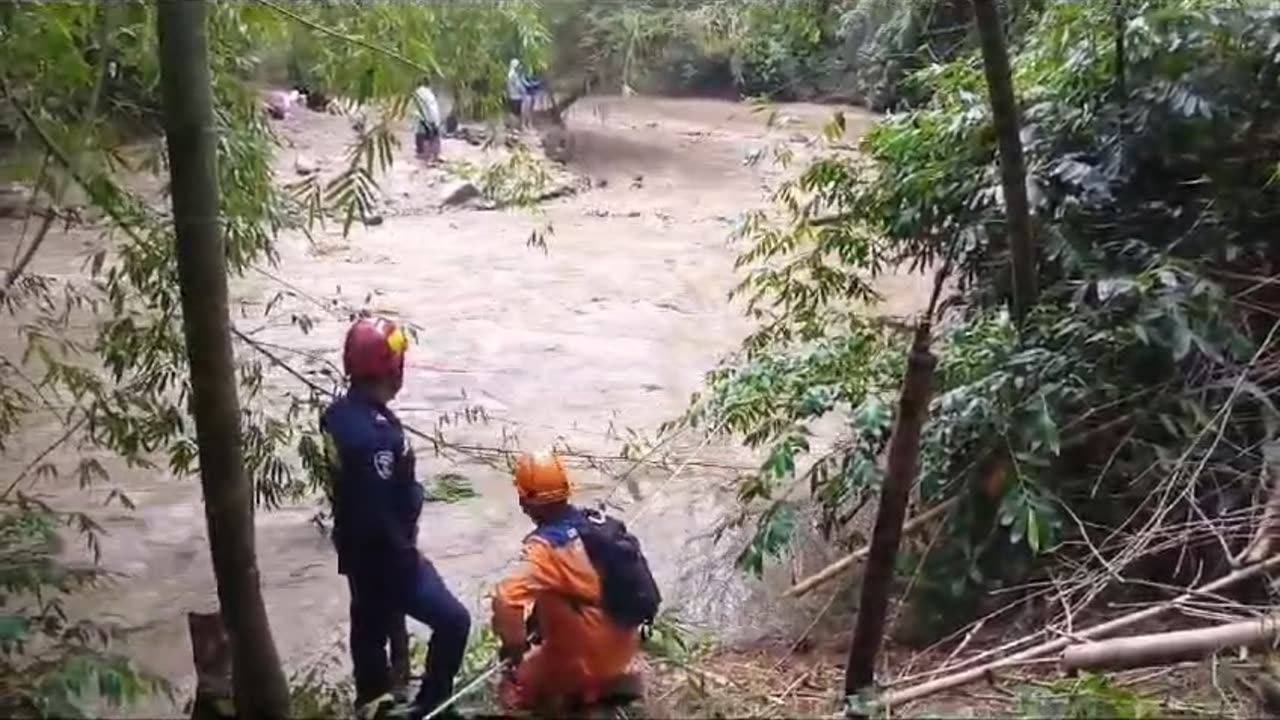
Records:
x=13, y=201
x=451, y=487
x=473, y=136
x=304, y=166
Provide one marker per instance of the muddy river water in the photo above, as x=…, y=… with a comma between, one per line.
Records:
x=613, y=326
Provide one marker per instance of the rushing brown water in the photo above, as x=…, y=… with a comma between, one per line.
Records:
x=613, y=326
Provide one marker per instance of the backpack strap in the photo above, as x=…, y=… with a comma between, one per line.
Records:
x=559, y=535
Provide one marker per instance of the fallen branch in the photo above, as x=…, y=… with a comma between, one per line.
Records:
x=1170, y=647
x=834, y=569
x=948, y=682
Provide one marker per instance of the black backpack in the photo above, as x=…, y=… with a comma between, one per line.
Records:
x=631, y=597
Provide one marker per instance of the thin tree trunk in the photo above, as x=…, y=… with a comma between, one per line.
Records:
x=1013, y=170
x=259, y=684
x=904, y=456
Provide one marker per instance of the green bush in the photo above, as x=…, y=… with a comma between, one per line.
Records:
x=1143, y=385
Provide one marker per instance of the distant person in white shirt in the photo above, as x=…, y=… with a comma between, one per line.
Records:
x=426, y=135
x=518, y=100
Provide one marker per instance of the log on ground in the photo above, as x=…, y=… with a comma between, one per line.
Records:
x=1170, y=647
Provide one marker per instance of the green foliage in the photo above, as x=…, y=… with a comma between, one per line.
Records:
x=49, y=663
x=521, y=179
x=783, y=46
x=759, y=47
x=464, y=45
x=1084, y=698
x=671, y=639
x=881, y=43
x=1143, y=384
x=322, y=688
x=102, y=358
x=859, y=51
x=451, y=487
x=772, y=399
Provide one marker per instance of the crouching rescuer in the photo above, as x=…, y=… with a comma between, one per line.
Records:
x=570, y=618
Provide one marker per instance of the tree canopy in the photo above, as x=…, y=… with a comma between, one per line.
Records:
x=1142, y=388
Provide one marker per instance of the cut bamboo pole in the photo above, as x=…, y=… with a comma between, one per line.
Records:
x=947, y=682
x=1170, y=647
x=834, y=569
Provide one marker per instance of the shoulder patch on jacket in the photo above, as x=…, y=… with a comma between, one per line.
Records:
x=383, y=463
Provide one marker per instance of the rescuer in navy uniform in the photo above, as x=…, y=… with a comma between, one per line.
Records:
x=376, y=503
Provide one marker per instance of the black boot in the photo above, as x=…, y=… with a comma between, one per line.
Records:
x=420, y=709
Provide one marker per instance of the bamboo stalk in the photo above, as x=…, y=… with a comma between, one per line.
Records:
x=261, y=690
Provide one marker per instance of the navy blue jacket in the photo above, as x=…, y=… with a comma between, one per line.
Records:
x=376, y=496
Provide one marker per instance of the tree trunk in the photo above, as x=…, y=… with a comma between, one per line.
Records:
x=211, y=654
x=1013, y=170
x=559, y=106
x=259, y=684
x=904, y=456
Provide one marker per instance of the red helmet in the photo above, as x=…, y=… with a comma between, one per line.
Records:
x=374, y=350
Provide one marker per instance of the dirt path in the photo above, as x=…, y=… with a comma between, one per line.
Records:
x=613, y=326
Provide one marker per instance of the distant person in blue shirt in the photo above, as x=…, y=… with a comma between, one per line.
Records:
x=532, y=92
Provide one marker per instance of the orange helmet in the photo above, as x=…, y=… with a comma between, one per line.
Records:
x=541, y=479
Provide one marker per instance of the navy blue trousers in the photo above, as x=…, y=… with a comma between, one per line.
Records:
x=379, y=604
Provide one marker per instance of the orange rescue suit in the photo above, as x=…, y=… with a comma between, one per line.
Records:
x=582, y=651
